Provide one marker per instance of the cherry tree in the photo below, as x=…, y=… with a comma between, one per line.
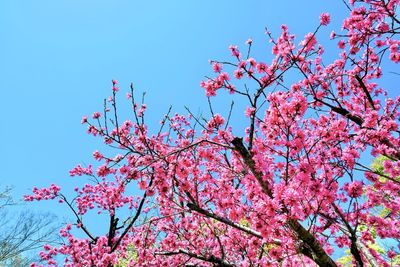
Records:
x=292, y=190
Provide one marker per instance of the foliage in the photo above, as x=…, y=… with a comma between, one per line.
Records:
x=131, y=256
x=291, y=192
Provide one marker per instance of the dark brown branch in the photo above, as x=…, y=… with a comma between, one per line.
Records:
x=247, y=230
x=343, y=112
x=353, y=238
x=367, y=254
x=362, y=84
x=112, y=229
x=82, y=226
x=212, y=259
x=244, y=153
x=138, y=211
x=314, y=249
x=317, y=252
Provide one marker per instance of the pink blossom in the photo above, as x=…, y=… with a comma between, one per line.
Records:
x=217, y=67
x=238, y=74
x=249, y=112
x=216, y=121
x=97, y=155
x=96, y=115
x=354, y=189
x=235, y=51
x=84, y=119
x=223, y=191
x=341, y=44
x=391, y=254
x=325, y=18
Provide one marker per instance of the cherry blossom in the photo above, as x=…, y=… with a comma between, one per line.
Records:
x=290, y=189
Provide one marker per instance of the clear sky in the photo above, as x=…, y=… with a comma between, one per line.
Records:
x=57, y=59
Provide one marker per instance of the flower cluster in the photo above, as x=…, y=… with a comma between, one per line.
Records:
x=292, y=192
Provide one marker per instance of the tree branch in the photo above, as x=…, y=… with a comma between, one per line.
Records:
x=318, y=253
x=245, y=229
x=212, y=259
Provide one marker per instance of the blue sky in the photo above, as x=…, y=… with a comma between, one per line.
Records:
x=58, y=59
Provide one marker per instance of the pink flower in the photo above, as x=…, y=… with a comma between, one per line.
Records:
x=341, y=44
x=325, y=18
x=79, y=171
x=150, y=192
x=102, y=171
x=142, y=110
x=261, y=67
x=249, y=111
x=216, y=121
x=391, y=254
x=96, y=115
x=309, y=42
x=217, y=67
x=142, y=184
x=97, y=155
x=354, y=189
x=235, y=51
x=84, y=119
x=252, y=62
x=238, y=74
